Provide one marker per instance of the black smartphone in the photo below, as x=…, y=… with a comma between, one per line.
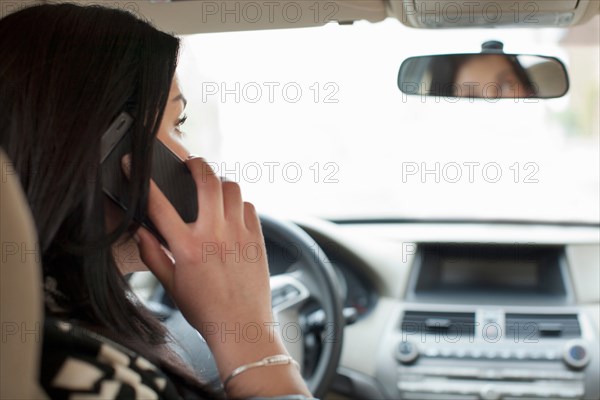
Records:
x=169, y=172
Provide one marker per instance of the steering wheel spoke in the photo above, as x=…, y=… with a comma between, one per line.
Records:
x=288, y=295
x=288, y=292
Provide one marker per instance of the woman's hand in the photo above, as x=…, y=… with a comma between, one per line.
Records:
x=219, y=278
x=220, y=273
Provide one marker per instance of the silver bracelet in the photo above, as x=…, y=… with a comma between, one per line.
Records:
x=280, y=359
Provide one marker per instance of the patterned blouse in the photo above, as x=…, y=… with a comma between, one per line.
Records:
x=78, y=364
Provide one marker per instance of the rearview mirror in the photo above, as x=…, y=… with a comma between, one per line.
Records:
x=490, y=74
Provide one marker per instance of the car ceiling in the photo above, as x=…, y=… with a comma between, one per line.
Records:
x=202, y=16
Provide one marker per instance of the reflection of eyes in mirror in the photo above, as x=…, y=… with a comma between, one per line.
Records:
x=489, y=76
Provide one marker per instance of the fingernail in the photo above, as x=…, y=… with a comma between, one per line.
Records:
x=192, y=156
x=136, y=237
x=126, y=164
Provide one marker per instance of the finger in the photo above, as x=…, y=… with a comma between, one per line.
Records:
x=232, y=202
x=251, y=219
x=210, y=194
x=154, y=257
x=164, y=216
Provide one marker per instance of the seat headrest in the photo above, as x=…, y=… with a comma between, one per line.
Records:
x=21, y=304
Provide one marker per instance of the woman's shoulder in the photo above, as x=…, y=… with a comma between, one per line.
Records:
x=77, y=362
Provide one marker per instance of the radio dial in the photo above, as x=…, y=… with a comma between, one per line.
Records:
x=576, y=354
x=407, y=352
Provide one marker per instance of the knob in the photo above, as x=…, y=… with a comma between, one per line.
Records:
x=407, y=352
x=576, y=354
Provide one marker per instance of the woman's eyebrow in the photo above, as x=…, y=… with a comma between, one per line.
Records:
x=182, y=98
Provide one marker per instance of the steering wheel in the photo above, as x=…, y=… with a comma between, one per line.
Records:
x=307, y=309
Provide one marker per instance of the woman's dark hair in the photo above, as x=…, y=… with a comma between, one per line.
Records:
x=444, y=70
x=66, y=72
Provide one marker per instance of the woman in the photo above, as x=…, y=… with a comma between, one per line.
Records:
x=66, y=73
x=492, y=76
x=488, y=76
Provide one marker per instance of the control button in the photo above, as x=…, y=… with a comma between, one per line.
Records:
x=576, y=354
x=432, y=352
x=407, y=352
x=550, y=355
x=460, y=353
x=490, y=353
x=521, y=354
x=535, y=355
x=491, y=333
x=506, y=354
x=488, y=392
x=476, y=353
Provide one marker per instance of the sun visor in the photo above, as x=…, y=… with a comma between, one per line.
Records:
x=439, y=14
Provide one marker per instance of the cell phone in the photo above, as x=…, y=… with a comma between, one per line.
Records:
x=169, y=172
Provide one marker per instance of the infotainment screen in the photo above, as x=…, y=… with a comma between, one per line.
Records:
x=488, y=273
x=489, y=269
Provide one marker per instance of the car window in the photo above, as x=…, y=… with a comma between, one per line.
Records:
x=310, y=121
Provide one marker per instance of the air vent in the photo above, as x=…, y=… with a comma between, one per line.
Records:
x=524, y=327
x=447, y=323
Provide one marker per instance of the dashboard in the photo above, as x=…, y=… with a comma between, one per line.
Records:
x=466, y=310
x=446, y=310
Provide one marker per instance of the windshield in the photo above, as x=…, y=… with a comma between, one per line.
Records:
x=310, y=121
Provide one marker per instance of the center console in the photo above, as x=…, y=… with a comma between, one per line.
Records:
x=489, y=322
